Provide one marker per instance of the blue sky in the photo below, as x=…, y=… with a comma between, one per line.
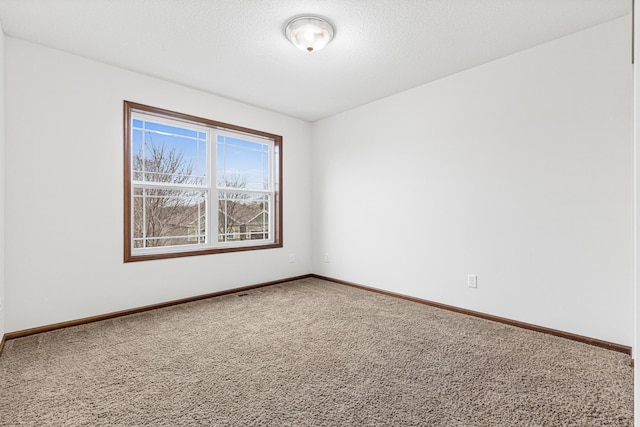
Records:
x=235, y=156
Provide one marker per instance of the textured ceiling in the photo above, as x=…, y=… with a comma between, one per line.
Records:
x=236, y=48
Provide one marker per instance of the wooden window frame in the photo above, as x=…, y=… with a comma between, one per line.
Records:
x=129, y=109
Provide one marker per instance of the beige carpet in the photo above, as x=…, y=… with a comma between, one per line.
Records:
x=309, y=353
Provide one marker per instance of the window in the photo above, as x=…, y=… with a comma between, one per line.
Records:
x=195, y=186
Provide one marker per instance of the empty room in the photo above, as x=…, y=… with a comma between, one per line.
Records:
x=318, y=213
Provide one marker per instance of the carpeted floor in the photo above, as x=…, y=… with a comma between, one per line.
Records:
x=309, y=353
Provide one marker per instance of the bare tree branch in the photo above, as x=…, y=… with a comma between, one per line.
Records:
x=164, y=209
x=232, y=202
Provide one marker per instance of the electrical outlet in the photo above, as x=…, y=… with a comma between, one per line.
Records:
x=326, y=258
x=292, y=258
x=472, y=280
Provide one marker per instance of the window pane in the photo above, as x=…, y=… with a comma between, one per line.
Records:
x=162, y=128
x=137, y=148
x=169, y=154
x=166, y=217
x=242, y=164
x=187, y=173
x=242, y=216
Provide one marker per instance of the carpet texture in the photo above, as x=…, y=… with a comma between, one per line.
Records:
x=309, y=353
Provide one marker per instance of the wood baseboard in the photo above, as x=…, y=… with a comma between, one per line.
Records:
x=574, y=337
x=106, y=316
x=587, y=340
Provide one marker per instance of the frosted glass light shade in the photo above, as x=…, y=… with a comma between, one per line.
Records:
x=309, y=33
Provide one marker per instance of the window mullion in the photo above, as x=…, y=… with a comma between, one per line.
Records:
x=144, y=217
x=168, y=185
x=245, y=190
x=212, y=217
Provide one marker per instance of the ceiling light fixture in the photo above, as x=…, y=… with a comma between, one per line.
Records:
x=309, y=33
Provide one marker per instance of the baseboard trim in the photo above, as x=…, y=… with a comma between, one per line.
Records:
x=567, y=335
x=85, y=320
x=574, y=337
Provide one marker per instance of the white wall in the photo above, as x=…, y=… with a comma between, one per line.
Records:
x=2, y=182
x=636, y=122
x=64, y=196
x=519, y=171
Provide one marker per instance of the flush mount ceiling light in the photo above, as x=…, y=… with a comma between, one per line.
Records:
x=309, y=33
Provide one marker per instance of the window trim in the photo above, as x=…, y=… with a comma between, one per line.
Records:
x=177, y=252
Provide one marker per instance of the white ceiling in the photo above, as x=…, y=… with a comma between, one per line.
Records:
x=236, y=48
